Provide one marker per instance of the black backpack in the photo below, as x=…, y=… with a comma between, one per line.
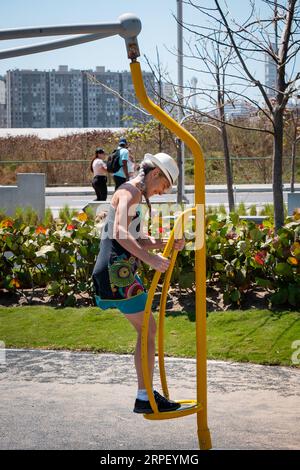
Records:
x=113, y=162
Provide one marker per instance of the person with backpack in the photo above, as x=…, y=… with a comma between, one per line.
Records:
x=99, y=170
x=123, y=246
x=122, y=175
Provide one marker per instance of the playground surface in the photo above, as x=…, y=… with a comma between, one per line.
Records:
x=80, y=400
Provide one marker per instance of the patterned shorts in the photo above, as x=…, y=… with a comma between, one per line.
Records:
x=126, y=286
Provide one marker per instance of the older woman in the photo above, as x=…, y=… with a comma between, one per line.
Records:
x=122, y=246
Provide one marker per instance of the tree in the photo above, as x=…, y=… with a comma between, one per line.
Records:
x=216, y=60
x=159, y=72
x=293, y=134
x=273, y=32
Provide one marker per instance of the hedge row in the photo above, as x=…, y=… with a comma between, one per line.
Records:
x=59, y=257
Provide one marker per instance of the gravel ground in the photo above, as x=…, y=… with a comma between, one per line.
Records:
x=79, y=400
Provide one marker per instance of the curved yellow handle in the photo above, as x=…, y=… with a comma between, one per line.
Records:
x=162, y=308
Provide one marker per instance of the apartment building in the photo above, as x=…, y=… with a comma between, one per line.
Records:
x=69, y=98
x=3, y=118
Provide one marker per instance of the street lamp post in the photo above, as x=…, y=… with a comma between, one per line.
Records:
x=180, y=144
x=180, y=161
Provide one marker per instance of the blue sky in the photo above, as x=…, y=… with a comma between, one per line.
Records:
x=158, y=29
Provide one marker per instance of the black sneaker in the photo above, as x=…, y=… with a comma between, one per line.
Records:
x=163, y=404
x=142, y=406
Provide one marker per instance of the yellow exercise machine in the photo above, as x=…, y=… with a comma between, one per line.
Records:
x=199, y=405
x=128, y=27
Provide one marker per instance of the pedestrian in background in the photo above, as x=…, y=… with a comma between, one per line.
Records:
x=98, y=167
x=122, y=175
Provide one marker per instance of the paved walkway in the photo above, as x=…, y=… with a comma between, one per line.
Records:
x=77, y=400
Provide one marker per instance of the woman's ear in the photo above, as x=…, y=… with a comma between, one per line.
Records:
x=156, y=172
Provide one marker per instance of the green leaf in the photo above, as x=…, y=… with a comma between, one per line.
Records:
x=186, y=279
x=263, y=282
x=268, y=223
x=280, y=297
x=294, y=295
x=223, y=231
x=234, y=218
x=284, y=269
x=53, y=288
x=70, y=301
x=218, y=266
x=235, y=295
x=226, y=297
x=9, y=242
x=256, y=235
x=83, y=251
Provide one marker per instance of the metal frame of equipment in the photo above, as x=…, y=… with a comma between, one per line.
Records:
x=128, y=27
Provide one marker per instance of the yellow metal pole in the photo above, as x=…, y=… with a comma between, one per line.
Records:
x=200, y=261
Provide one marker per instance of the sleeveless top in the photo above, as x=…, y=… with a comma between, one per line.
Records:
x=115, y=269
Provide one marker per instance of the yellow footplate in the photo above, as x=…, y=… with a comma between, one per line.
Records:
x=188, y=407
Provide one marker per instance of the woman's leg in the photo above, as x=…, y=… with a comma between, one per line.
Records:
x=142, y=404
x=97, y=187
x=136, y=319
x=102, y=188
x=118, y=181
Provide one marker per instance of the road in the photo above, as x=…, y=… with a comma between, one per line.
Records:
x=78, y=199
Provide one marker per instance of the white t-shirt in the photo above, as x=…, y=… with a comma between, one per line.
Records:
x=98, y=167
x=130, y=166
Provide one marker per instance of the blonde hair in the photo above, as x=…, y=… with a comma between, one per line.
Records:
x=144, y=169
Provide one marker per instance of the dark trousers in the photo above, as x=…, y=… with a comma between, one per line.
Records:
x=118, y=181
x=100, y=187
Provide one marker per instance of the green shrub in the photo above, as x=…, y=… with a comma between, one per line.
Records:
x=60, y=256
x=27, y=216
x=241, y=210
x=241, y=255
x=48, y=218
x=253, y=210
x=268, y=210
x=221, y=209
x=66, y=214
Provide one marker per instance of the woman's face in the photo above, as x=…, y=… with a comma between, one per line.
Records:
x=156, y=183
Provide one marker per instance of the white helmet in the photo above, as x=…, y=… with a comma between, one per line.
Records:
x=166, y=164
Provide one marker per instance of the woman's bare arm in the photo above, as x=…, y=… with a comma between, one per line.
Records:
x=151, y=243
x=126, y=204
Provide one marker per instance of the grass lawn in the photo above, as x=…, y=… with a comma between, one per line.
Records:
x=258, y=336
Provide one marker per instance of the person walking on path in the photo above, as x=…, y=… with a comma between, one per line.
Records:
x=98, y=167
x=122, y=175
x=123, y=246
